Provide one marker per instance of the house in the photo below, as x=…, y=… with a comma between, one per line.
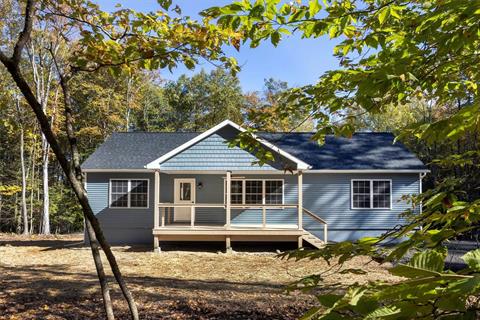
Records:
x=188, y=186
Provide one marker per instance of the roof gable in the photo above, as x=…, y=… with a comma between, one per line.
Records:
x=299, y=164
x=213, y=153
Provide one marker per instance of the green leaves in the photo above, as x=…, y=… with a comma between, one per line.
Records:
x=383, y=14
x=313, y=7
x=472, y=259
x=423, y=264
x=382, y=312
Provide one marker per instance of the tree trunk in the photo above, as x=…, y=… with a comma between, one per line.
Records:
x=73, y=174
x=22, y=164
x=107, y=301
x=24, y=183
x=46, y=194
x=90, y=223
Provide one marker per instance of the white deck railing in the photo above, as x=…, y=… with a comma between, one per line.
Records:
x=164, y=216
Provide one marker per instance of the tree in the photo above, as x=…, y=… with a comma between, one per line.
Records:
x=391, y=53
x=202, y=101
x=270, y=110
x=119, y=41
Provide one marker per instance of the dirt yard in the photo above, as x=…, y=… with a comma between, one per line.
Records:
x=54, y=278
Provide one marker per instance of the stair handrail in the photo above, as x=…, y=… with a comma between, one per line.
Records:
x=325, y=224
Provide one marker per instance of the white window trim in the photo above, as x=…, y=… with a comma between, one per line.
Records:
x=244, y=190
x=129, y=190
x=371, y=194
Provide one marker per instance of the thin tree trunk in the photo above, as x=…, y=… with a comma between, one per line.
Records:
x=32, y=182
x=46, y=194
x=107, y=301
x=22, y=164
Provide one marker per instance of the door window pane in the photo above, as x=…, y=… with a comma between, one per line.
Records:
x=185, y=191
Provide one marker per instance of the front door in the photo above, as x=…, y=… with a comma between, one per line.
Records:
x=184, y=193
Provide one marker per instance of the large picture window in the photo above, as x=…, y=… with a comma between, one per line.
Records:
x=129, y=193
x=256, y=191
x=371, y=194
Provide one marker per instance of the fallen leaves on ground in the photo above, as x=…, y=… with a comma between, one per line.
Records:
x=54, y=278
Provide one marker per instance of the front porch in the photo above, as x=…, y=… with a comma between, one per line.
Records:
x=225, y=226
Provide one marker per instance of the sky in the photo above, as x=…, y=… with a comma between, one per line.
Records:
x=295, y=60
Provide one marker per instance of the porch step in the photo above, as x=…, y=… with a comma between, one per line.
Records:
x=313, y=240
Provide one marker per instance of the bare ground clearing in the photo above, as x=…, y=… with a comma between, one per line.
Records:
x=54, y=278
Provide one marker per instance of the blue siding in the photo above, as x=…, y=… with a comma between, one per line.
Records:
x=327, y=195
x=213, y=153
x=120, y=225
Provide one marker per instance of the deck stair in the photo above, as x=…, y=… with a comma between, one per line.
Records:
x=313, y=240
x=310, y=237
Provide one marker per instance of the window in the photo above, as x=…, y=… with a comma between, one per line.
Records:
x=273, y=191
x=253, y=191
x=256, y=191
x=371, y=194
x=236, y=195
x=125, y=193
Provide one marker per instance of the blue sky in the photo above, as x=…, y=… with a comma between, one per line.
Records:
x=297, y=61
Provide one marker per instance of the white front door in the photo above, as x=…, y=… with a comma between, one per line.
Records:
x=184, y=193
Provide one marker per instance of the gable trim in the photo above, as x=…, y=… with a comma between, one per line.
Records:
x=156, y=163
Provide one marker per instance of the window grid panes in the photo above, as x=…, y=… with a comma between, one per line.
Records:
x=254, y=191
x=361, y=194
x=126, y=193
x=236, y=192
x=139, y=194
x=273, y=192
x=119, y=196
x=381, y=194
x=367, y=194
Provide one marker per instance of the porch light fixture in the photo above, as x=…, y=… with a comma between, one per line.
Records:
x=200, y=185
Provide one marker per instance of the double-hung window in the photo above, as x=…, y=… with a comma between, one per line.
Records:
x=256, y=191
x=129, y=193
x=371, y=194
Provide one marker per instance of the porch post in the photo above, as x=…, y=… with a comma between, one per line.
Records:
x=228, y=200
x=300, y=199
x=156, y=208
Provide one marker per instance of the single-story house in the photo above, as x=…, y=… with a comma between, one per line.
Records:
x=188, y=186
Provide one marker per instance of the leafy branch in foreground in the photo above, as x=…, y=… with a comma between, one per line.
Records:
x=391, y=53
x=429, y=291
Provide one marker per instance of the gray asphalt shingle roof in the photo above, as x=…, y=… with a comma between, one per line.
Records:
x=134, y=150
x=362, y=151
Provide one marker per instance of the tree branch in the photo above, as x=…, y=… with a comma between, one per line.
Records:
x=25, y=33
